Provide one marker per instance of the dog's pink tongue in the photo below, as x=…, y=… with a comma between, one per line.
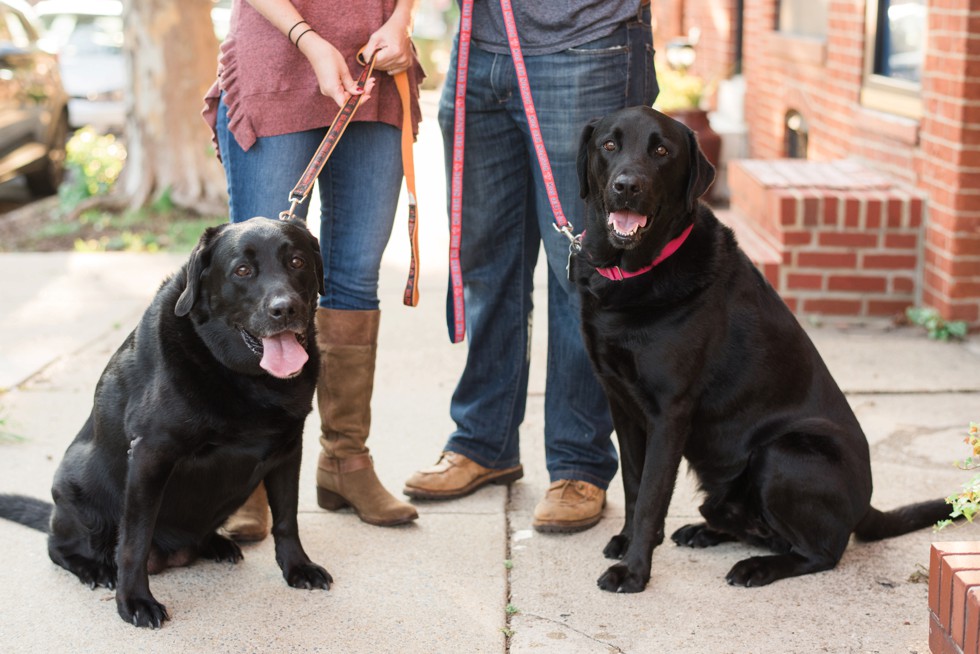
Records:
x=627, y=222
x=282, y=355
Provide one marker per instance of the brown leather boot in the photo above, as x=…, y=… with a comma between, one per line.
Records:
x=251, y=522
x=348, y=342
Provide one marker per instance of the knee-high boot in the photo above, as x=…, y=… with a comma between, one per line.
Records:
x=348, y=342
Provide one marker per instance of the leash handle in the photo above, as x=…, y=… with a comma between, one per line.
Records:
x=329, y=142
x=340, y=122
x=457, y=318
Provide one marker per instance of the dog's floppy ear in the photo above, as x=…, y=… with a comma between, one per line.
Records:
x=582, y=162
x=199, y=260
x=701, y=175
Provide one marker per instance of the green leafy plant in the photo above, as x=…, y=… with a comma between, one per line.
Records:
x=93, y=162
x=966, y=503
x=510, y=609
x=678, y=90
x=937, y=328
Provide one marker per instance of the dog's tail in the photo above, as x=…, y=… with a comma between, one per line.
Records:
x=877, y=525
x=28, y=511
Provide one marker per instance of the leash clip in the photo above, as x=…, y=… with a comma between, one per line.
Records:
x=574, y=242
x=290, y=213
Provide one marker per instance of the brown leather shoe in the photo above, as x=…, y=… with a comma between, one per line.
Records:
x=455, y=475
x=569, y=505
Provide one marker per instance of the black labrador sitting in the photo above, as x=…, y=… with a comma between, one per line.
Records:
x=205, y=399
x=700, y=358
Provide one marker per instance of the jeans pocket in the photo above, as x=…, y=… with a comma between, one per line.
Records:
x=616, y=43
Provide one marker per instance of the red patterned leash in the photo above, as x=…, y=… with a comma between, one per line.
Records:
x=458, y=319
x=340, y=122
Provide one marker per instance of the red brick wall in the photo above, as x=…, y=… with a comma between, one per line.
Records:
x=949, y=159
x=939, y=154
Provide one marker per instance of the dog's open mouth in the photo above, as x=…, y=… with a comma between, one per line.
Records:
x=627, y=225
x=283, y=354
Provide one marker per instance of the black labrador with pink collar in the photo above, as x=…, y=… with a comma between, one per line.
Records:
x=700, y=359
x=205, y=399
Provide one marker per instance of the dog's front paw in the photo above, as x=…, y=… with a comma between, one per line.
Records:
x=309, y=576
x=617, y=546
x=620, y=579
x=142, y=612
x=218, y=548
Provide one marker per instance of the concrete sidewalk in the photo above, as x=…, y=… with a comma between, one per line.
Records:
x=444, y=584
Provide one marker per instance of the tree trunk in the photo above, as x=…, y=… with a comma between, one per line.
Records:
x=172, y=52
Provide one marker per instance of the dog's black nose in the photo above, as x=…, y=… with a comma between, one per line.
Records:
x=282, y=307
x=626, y=184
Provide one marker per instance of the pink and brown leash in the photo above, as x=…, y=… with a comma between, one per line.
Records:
x=305, y=184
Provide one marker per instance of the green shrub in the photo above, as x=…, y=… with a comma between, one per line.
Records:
x=93, y=162
x=935, y=326
x=966, y=503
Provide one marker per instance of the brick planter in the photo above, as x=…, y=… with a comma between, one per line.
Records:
x=954, y=598
x=834, y=238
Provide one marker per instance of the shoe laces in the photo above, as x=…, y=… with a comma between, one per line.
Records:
x=565, y=484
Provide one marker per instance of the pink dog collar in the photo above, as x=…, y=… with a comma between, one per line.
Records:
x=616, y=273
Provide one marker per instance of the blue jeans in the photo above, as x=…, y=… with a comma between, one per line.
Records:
x=506, y=217
x=358, y=187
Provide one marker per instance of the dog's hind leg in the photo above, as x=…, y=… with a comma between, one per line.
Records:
x=810, y=496
x=85, y=550
x=218, y=548
x=700, y=535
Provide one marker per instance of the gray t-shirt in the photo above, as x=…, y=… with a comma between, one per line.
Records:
x=548, y=26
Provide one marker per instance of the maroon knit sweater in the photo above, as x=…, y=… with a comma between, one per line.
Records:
x=269, y=86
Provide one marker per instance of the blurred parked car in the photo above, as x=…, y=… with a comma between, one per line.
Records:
x=88, y=37
x=33, y=113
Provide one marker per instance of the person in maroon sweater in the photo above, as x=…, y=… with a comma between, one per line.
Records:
x=283, y=72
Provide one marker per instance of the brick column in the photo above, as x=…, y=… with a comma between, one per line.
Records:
x=949, y=160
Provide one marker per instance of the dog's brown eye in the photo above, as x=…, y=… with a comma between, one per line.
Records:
x=609, y=146
x=661, y=150
x=243, y=271
x=297, y=263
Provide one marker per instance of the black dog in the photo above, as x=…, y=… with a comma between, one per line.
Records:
x=700, y=358
x=205, y=399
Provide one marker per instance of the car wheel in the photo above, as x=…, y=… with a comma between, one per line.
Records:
x=47, y=180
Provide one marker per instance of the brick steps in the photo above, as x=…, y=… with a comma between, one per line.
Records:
x=847, y=239
x=761, y=250
x=954, y=598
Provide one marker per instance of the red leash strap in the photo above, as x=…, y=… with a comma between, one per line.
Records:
x=458, y=320
x=305, y=184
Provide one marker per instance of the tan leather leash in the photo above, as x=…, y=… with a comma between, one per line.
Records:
x=340, y=122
